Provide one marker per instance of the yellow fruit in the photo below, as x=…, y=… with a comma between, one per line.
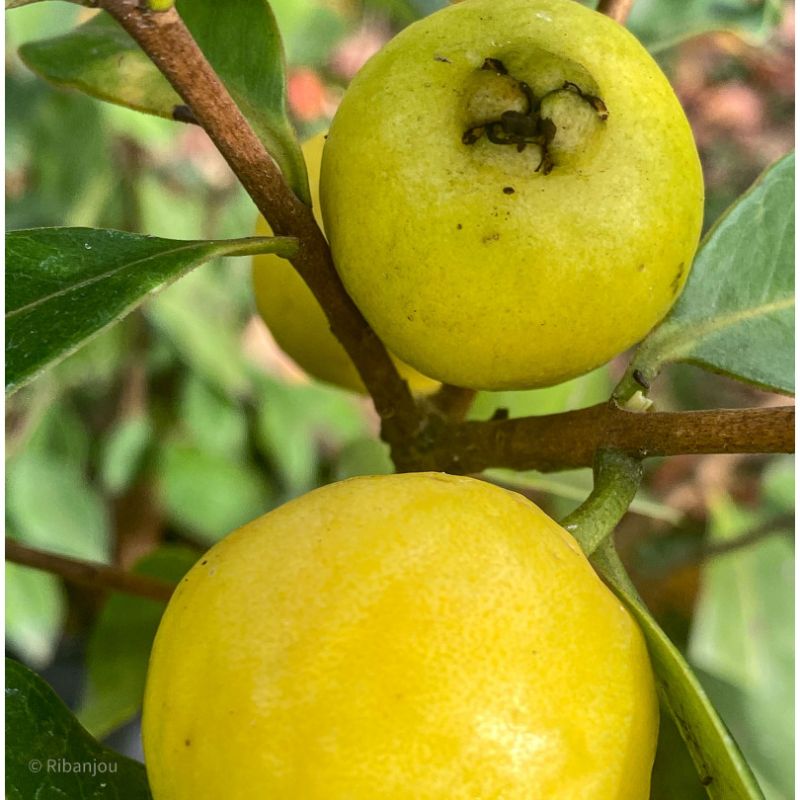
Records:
x=413, y=637
x=294, y=316
x=471, y=265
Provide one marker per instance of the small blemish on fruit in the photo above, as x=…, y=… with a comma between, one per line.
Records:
x=204, y=562
x=459, y=226
x=187, y=742
x=508, y=190
x=444, y=60
x=641, y=267
x=707, y=780
x=491, y=238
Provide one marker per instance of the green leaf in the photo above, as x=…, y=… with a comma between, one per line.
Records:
x=100, y=59
x=52, y=507
x=743, y=637
x=209, y=496
x=240, y=38
x=778, y=484
x=674, y=776
x=49, y=755
x=720, y=765
x=123, y=452
x=65, y=285
x=736, y=314
x=119, y=646
x=364, y=456
x=192, y=317
x=296, y=422
x=35, y=610
x=216, y=424
x=662, y=23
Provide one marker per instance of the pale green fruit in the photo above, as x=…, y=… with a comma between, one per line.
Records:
x=472, y=266
x=295, y=318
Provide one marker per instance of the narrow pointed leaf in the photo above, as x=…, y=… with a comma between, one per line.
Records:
x=65, y=285
x=736, y=314
x=240, y=38
x=719, y=763
x=48, y=753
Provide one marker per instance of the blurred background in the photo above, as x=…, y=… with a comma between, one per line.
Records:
x=186, y=420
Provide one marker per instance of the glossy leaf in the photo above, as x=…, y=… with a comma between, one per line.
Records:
x=662, y=23
x=722, y=770
x=742, y=637
x=736, y=313
x=65, y=285
x=119, y=645
x=48, y=753
x=240, y=38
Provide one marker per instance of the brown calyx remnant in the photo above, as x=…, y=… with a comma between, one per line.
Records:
x=506, y=110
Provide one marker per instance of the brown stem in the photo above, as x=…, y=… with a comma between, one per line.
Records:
x=618, y=10
x=86, y=573
x=567, y=441
x=169, y=44
x=452, y=401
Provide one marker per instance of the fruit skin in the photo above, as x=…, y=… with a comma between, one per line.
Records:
x=487, y=289
x=294, y=316
x=412, y=636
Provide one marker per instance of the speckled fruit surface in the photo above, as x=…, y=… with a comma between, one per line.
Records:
x=472, y=266
x=413, y=637
x=295, y=318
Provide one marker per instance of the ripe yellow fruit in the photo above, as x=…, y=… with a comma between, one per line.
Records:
x=296, y=319
x=470, y=264
x=413, y=637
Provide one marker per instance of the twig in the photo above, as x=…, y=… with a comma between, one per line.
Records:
x=421, y=440
x=169, y=44
x=452, y=401
x=86, y=573
x=769, y=528
x=570, y=440
x=618, y=10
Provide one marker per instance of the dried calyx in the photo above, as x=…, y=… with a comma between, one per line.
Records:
x=559, y=112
